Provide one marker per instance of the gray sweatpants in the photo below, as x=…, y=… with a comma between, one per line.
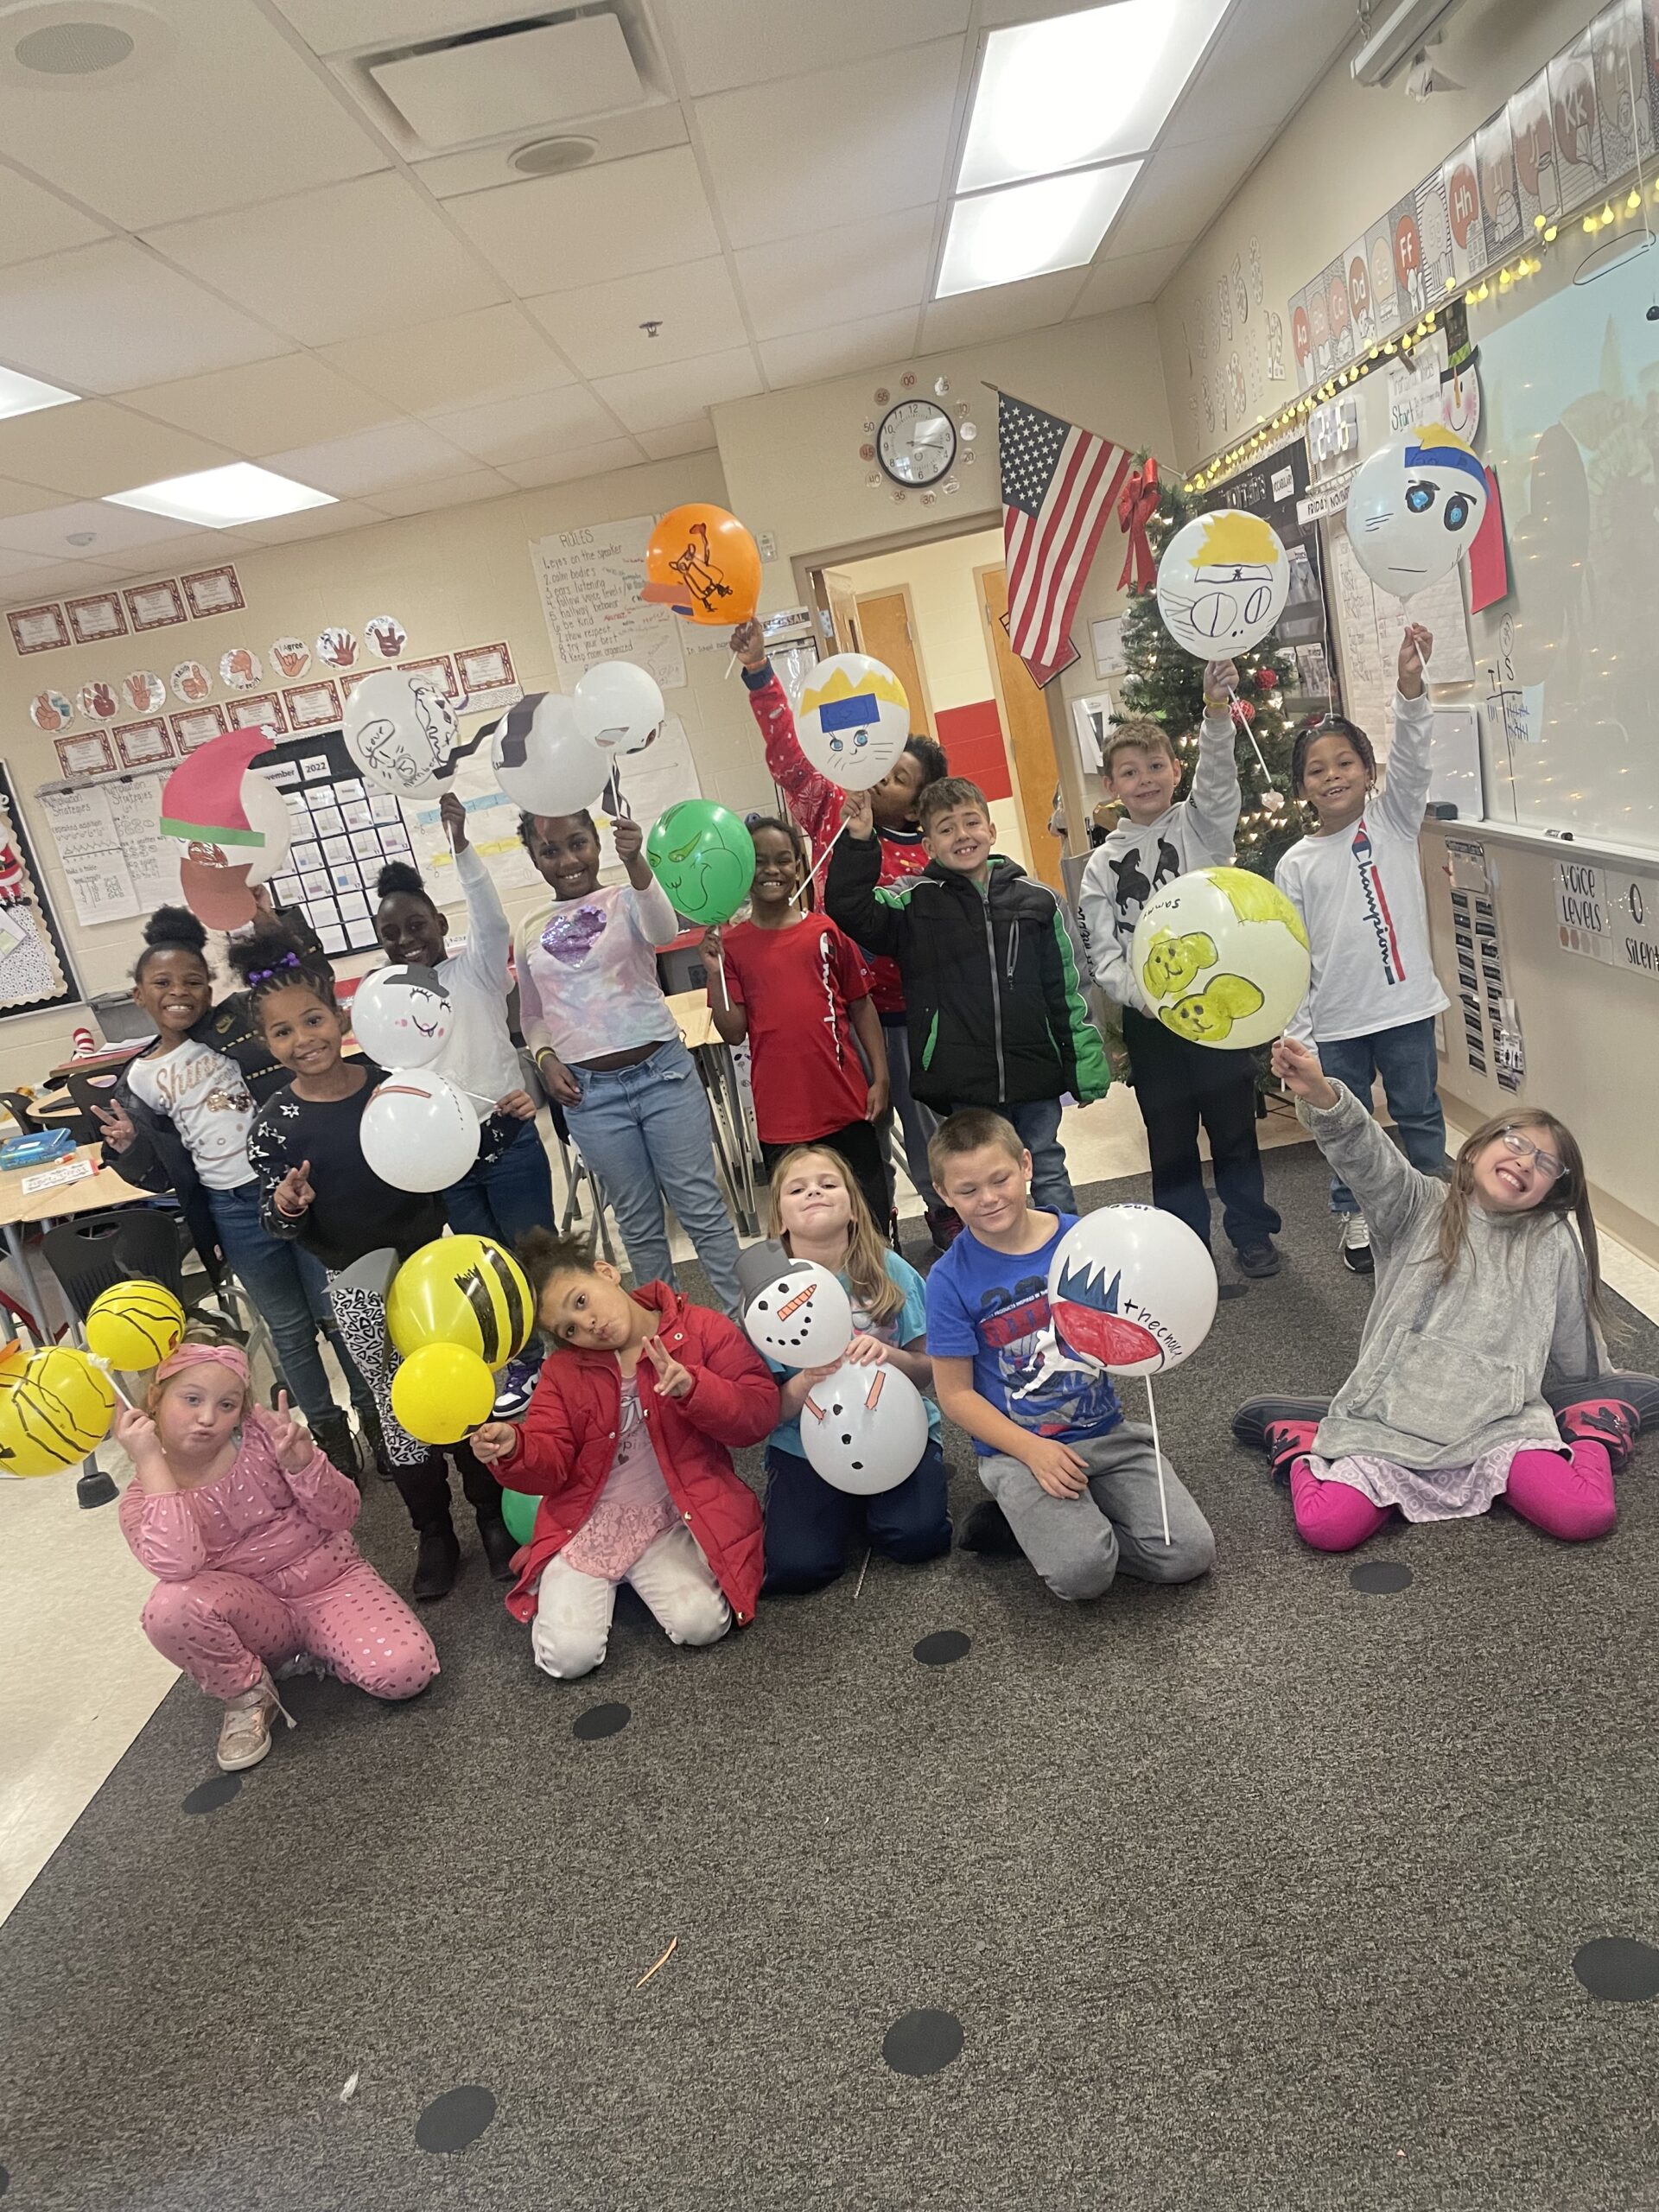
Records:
x=1078, y=1544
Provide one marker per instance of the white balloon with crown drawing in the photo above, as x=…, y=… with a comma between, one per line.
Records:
x=852, y=719
x=1222, y=583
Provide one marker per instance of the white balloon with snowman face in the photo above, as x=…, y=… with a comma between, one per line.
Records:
x=1415, y=508
x=853, y=720
x=864, y=1429
x=402, y=1016
x=801, y=1318
x=1222, y=583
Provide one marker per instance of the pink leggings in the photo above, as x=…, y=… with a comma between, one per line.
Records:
x=1572, y=1498
x=221, y=1629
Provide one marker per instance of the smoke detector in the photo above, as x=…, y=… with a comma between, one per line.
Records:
x=554, y=157
x=62, y=45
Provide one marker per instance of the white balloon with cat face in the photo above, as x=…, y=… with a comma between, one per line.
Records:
x=1222, y=583
x=864, y=1429
x=801, y=1318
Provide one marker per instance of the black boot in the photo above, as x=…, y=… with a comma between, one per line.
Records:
x=499, y=1545
x=334, y=1434
x=986, y=1531
x=438, y=1560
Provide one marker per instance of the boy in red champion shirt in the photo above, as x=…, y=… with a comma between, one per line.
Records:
x=815, y=804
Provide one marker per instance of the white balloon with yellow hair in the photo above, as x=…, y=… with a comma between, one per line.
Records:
x=853, y=720
x=1415, y=507
x=1222, y=583
x=1222, y=955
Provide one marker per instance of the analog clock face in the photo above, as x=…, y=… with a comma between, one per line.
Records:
x=917, y=442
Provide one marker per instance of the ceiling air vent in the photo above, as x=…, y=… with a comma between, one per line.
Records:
x=59, y=44
x=554, y=157
x=515, y=77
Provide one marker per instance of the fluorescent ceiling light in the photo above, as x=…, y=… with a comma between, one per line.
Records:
x=1026, y=230
x=1079, y=89
x=219, y=499
x=22, y=395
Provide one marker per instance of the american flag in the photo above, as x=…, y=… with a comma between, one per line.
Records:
x=1058, y=484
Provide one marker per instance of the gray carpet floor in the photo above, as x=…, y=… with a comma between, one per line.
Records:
x=1266, y=1892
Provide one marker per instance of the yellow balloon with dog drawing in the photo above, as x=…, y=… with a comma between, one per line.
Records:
x=1222, y=955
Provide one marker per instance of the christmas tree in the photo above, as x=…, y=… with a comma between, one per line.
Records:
x=1165, y=685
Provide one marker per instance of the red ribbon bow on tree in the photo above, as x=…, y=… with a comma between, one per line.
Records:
x=1137, y=503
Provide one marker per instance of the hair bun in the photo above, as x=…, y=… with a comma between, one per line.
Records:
x=175, y=925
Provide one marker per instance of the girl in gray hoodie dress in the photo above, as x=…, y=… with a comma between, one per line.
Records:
x=1484, y=1293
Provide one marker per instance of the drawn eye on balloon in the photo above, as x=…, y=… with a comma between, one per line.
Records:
x=382, y=747
x=1223, y=582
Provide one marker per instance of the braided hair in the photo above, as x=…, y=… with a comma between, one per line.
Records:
x=272, y=960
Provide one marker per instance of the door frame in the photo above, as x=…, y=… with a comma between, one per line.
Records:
x=886, y=591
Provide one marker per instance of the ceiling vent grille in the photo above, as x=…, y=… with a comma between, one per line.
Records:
x=515, y=77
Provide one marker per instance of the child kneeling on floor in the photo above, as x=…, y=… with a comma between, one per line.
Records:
x=1076, y=1484
x=247, y=1525
x=626, y=1441
x=1483, y=1291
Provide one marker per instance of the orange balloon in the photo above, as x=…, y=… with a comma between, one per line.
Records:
x=702, y=563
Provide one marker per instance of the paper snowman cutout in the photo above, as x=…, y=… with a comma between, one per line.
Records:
x=864, y=1429
x=800, y=1316
x=1415, y=508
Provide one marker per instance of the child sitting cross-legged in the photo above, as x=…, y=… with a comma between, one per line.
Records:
x=627, y=1443
x=1076, y=1484
x=246, y=1526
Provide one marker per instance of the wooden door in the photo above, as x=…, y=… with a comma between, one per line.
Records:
x=838, y=604
x=1025, y=719
x=889, y=632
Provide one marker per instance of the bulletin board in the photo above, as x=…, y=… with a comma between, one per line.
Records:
x=343, y=834
x=115, y=861
x=34, y=969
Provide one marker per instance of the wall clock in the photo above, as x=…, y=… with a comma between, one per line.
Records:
x=916, y=443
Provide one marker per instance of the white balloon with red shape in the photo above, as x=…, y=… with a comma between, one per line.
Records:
x=542, y=761
x=864, y=1429
x=852, y=719
x=1131, y=1289
x=1223, y=582
x=402, y=1016
x=418, y=1132
x=619, y=707
x=1415, y=508
x=802, y=1318
x=267, y=812
x=401, y=730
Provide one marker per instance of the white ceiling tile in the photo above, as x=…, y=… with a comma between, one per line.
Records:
x=519, y=429
x=647, y=399
x=1177, y=195
x=811, y=354
x=294, y=400
x=334, y=263
x=722, y=45
x=1001, y=311
x=26, y=498
x=850, y=270
x=395, y=454
x=60, y=579
x=600, y=327
x=565, y=467
x=112, y=532
x=341, y=26
x=232, y=115
x=34, y=222
x=14, y=566
x=314, y=522
x=458, y=360
x=1260, y=73
x=616, y=138
x=851, y=142
x=677, y=438
x=556, y=233
x=95, y=448
x=1128, y=279
x=105, y=317
x=449, y=491
x=193, y=549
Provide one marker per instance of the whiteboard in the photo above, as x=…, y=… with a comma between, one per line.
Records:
x=1571, y=398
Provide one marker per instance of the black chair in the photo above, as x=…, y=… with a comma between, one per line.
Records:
x=21, y=1111
x=86, y=1092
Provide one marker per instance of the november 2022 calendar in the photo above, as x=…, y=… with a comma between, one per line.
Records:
x=344, y=832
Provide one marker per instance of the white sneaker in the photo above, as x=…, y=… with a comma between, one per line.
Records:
x=245, y=1732
x=1355, y=1245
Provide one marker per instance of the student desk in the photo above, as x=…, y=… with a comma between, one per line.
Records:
x=18, y=1208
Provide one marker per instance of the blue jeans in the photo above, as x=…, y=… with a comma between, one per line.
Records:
x=810, y=1522
x=288, y=1288
x=1405, y=1059
x=1037, y=1123
x=506, y=1197
x=645, y=1131
x=918, y=1121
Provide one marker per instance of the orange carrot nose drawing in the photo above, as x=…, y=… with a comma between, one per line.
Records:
x=876, y=1384
x=801, y=1297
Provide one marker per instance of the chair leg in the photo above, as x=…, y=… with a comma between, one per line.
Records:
x=93, y=1487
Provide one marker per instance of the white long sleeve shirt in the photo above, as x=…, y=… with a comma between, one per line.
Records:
x=1359, y=892
x=479, y=1052
x=1138, y=858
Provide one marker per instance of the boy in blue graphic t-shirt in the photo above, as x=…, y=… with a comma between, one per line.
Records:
x=1076, y=1484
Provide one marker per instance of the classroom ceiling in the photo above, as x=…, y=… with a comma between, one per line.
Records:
x=234, y=243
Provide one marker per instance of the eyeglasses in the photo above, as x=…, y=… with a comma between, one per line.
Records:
x=1522, y=1147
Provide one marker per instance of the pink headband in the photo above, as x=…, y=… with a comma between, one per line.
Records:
x=205, y=1356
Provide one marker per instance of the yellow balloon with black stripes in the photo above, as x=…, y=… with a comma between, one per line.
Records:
x=461, y=1290
x=53, y=1413
x=135, y=1326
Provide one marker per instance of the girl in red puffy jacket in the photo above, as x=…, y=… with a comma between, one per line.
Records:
x=627, y=1443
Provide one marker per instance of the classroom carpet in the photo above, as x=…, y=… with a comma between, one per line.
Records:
x=1293, y=1888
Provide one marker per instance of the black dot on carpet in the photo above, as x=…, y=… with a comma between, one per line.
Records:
x=940, y=1650
x=207, y=1797
x=600, y=1720
x=1229, y=1290
x=455, y=2120
x=1380, y=1577
x=921, y=2043
x=1619, y=1968
x=5, y=2181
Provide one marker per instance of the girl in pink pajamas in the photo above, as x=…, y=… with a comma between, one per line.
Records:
x=246, y=1526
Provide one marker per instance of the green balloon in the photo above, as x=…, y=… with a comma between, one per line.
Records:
x=518, y=1511
x=703, y=857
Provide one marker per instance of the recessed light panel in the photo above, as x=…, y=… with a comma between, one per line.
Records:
x=1026, y=230
x=22, y=395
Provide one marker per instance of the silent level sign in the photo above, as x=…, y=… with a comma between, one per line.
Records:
x=1608, y=916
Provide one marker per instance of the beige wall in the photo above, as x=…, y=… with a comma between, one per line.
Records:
x=461, y=577
x=1347, y=155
